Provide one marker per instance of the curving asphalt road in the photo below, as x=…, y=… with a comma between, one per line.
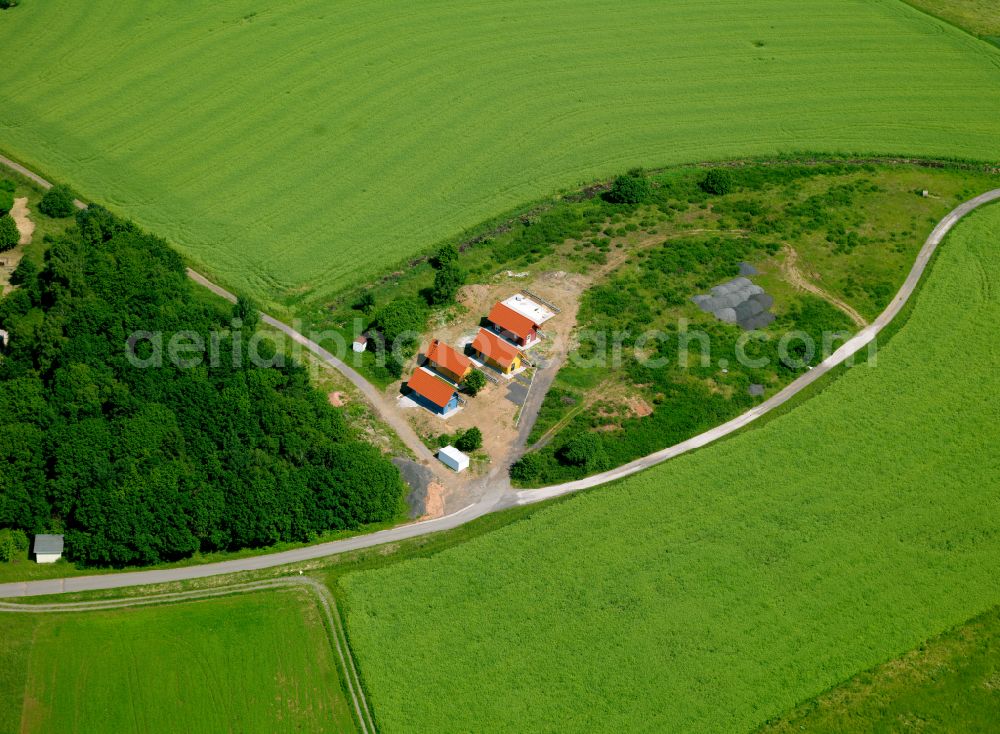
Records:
x=495, y=492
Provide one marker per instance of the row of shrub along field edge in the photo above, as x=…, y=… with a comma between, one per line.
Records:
x=291, y=149
x=716, y=591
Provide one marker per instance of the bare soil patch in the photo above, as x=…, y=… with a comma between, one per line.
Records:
x=21, y=216
x=434, y=505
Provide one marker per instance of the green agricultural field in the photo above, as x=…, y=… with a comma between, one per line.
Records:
x=949, y=684
x=256, y=663
x=292, y=148
x=981, y=17
x=721, y=589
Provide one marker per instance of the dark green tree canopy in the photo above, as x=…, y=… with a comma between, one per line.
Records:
x=447, y=280
x=6, y=201
x=58, y=202
x=246, y=311
x=632, y=188
x=144, y=464
x=9, y=234
x=717, y=181
x=475, y=382
x=471, y=440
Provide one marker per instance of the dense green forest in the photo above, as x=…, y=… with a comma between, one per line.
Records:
x=139, y=465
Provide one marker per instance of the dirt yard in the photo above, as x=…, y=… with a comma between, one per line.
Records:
x=21, y=216
x=10, y=259
x=496, y=410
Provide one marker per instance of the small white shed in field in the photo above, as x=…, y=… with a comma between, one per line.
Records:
x=48, y=548
x=360, y=344
x=453, y=458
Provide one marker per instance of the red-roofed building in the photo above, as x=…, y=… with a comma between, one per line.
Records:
x=513, y=326
x=432, y=392
x=448, y=362
x=496, y=352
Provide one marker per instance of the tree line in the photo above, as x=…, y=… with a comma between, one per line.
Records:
x=138, y=466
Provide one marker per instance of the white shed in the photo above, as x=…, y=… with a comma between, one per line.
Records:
x=453, y=458
x=360, y=344
x=48, y=548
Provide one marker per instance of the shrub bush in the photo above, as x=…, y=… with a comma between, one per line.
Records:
x=629, y=189
x=447, y=280
x=57, y=202
x=6, y=201
x=13, y=544
x=471, y=440
x=9, y=234
x=528, y=468
x=475, y=382
x=404, y=319
x=446, y=255
x=717, y=181
x=365, y=302
x=584, y=450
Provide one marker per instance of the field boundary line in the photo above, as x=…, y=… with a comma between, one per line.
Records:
x=324, y=599
x=496, y=494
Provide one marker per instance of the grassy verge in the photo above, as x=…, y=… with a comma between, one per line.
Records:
x=978, y=17
x=949, y=684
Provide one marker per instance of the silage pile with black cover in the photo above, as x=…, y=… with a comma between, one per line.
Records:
x=738, y=302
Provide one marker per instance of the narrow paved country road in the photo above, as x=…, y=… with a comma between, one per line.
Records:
x=326, y=601
x=495, y=493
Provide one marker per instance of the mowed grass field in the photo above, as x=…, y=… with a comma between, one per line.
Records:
x=252, y=663
x=290, y=148
x=717, y=591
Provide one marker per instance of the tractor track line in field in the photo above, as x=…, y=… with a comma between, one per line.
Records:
x=495, y=492
x=798, y=279
x=322, y=595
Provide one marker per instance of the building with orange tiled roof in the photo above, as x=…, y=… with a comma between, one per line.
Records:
x=432, y=392
x=513, y=326
x=496, y=352
x=448, y=362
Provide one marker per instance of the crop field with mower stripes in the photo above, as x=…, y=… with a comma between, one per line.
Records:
x=292, y=148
